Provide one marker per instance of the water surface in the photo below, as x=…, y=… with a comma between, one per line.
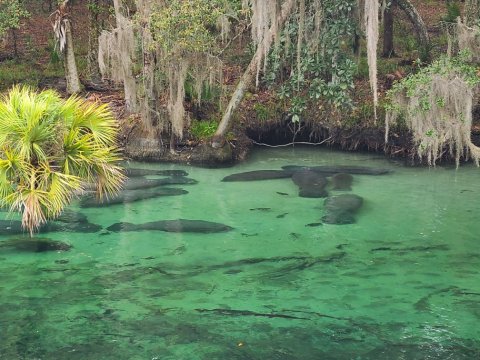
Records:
x=403, y=282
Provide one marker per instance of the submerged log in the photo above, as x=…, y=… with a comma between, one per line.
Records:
x=412, y=248
x=231, y=312
x=302, y=262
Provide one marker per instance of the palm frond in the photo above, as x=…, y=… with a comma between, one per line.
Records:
x=50, y=149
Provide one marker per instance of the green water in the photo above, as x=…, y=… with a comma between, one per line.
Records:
x=403, y=282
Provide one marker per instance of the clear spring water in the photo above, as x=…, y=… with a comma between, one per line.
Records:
x=403, y=282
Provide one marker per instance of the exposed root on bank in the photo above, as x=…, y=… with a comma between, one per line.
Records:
x=293, y=143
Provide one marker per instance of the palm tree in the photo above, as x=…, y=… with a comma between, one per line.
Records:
x=51, y=149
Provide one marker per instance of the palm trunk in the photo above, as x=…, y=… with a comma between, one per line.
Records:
x=248, y=77
x=93, y=34
x=71, y=73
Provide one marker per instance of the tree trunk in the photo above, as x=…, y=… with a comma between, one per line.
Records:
x=248, y=77
x=94, y=30
x=125, y=40
x=71, y=73
x=472, y=12
x=417, y=22
x=15, y=47
x=149, y=95
x=388, y=48
x=118, y=10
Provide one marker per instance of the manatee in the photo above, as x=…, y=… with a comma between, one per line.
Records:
x=129, y=196
x=11, y=227
x=70, y=216
x=15, y=227
x=338, y=218
x=179, y=225
x=340, y=209
x=259, y=175
x=80, y=227
x=142, y=183
x=28, y=244
x=132, y=172
x=342, y=181
x=332, y=170
x=307, y=177
x=312, y=192
x=349, y=202
x=310, y=184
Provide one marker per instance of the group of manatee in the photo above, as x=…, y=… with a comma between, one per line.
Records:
x=312, y=183
x=136, y=188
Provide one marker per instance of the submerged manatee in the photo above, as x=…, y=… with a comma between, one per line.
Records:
x=307, y=178
x=27, y=244
x=310, y=184
x=331, y=170
x=129, y=196
x=312, y=192
x=349, y=202
x=132, y=172
x=180, y=225
x=80, y=227
x=136, y=183
x=70, y=216
x=338, y=218
x=259, y=175
x=342, y=181
x=15, y=227
x=340, y=209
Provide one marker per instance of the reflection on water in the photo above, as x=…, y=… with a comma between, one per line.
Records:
x=401, y=282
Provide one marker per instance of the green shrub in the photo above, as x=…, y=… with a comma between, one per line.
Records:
x=203, y=129
x=14, y=72
x=453, y=12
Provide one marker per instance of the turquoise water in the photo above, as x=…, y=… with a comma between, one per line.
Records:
x=403, y=282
